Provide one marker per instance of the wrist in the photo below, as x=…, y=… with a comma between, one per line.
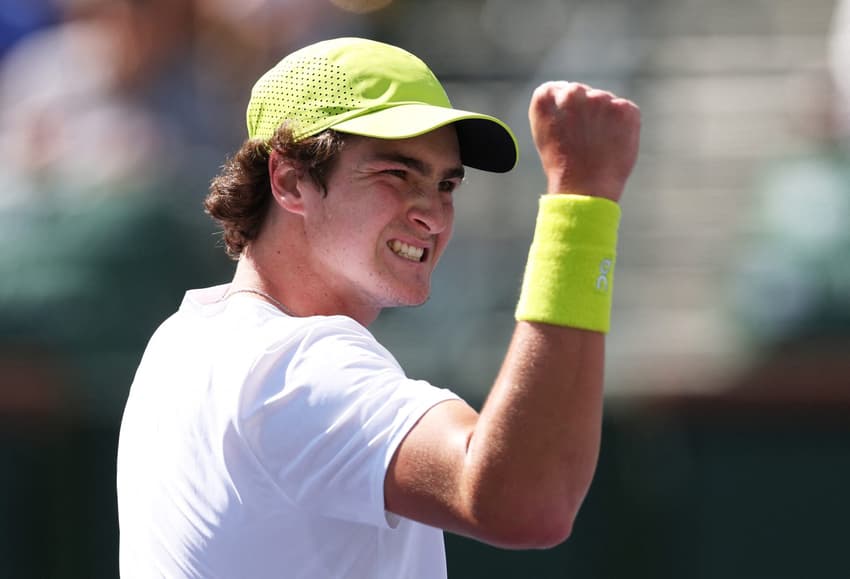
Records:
x=611, y=189
x=570, y=271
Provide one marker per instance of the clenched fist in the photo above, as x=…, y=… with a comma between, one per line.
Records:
x=587, y=139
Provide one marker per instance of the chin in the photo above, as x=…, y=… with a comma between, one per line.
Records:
x=419, y=302
x=413, y=298
x=397, y=291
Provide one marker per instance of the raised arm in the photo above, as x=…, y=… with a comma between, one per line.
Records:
x=516, y=475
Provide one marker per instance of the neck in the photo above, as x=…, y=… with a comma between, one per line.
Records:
x=300, y=288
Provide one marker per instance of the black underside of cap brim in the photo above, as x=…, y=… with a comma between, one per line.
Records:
x=485, y=145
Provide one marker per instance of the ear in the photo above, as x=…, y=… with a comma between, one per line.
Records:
x=286, y=183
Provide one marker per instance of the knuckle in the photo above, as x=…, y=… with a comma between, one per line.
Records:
x=576, y=90
x=545, y=89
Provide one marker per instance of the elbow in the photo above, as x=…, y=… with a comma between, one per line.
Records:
x=542, y=536
x=527, y=526
x=552, y=535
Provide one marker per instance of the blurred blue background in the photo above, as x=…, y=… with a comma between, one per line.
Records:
x=726, y=443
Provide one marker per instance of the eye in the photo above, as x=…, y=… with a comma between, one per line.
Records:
x=400, y=173
x=448, y=186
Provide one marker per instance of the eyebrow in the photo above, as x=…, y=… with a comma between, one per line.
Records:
x=419, y=165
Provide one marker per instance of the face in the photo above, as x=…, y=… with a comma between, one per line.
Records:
x=377, y=235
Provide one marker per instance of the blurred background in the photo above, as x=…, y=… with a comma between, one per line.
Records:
x=726, y=443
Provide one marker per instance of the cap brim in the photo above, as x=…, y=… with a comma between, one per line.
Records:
x=486, y=143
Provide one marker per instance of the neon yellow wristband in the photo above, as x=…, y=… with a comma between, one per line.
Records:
x=569, y=276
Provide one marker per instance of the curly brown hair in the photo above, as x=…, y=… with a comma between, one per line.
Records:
x=239, y=195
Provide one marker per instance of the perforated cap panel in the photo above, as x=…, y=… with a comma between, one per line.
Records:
x=307, y=91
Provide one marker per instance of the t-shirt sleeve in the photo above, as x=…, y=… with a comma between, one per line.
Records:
x=324, y=415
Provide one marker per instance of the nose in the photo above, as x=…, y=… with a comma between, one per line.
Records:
x=432, y=212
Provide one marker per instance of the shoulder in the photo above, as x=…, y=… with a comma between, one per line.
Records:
x=333, y=349
x=319, y=335
x=328, y=355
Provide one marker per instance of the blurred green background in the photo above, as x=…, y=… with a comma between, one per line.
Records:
x=726, y=443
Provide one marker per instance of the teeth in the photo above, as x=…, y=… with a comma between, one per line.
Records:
x=406, y=251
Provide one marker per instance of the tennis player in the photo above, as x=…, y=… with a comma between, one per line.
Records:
x=268, y=434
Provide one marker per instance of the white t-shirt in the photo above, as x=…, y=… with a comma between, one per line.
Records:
x=255, y=445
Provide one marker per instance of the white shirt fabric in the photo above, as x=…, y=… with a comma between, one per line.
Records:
x=255, y=444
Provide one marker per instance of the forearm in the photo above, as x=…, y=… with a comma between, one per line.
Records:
x=533, y=451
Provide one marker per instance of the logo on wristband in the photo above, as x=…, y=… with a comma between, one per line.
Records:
x=602, y=279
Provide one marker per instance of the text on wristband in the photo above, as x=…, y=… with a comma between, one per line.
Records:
x=602, y=279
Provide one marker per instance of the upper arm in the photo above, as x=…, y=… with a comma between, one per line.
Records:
x=424, y=480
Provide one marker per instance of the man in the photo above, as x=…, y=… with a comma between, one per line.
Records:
x=267, y=433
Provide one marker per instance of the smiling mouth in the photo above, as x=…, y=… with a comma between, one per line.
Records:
x=409, y=252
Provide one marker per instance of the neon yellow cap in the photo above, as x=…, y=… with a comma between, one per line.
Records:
x=364, y=87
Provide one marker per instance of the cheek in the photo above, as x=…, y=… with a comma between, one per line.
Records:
x=450, y=218
x=356, y=233
x=445, y=237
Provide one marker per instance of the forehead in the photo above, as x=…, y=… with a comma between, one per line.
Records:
x=439, y=148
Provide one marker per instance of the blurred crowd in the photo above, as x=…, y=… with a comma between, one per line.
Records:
x=114, y=115
x=791, y=285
